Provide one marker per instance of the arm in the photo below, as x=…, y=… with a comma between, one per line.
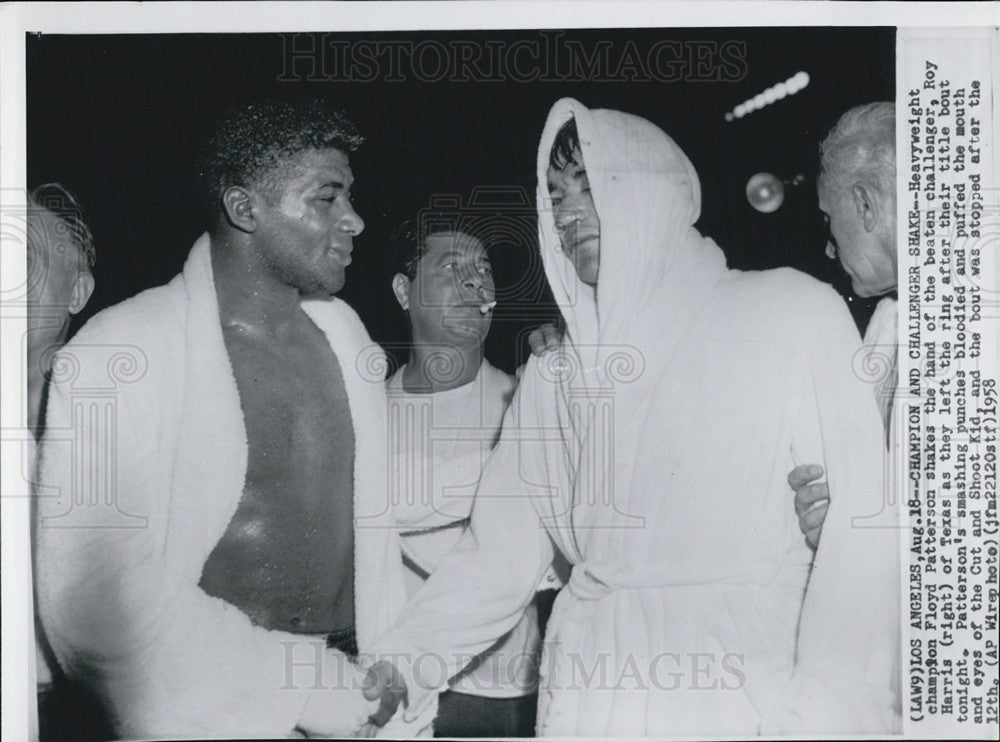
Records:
x=165, y=658
x=848, y=638
x=481, y=588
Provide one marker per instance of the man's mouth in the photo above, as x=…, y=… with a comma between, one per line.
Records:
x=576, y=244
x=342, y=256
x=482, y=307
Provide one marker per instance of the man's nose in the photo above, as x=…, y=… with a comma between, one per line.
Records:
x=831, y=250
x=478, y=284
x=350, y=222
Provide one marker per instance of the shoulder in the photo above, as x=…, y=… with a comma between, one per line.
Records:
x=781, y=285
x=150, y=318
x=131, y=348
x=395, y=381
x=494, y=378
x=336, y=317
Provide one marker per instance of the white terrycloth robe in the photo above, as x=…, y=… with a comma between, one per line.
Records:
x=653, y=453
x=144, y=417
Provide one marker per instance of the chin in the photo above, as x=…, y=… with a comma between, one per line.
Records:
x=334, y=284
x=469, y=333
x=867, y=292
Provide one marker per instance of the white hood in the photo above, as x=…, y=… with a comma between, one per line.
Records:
x=653, y=260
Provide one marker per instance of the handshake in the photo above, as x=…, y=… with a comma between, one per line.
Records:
x=350, y=713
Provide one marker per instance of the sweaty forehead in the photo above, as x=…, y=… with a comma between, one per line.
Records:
x=315, y=167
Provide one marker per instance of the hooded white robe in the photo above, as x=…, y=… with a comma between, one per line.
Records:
x=653, y=453
x=145, y=425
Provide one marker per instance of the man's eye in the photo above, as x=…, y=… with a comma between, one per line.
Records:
x=331, y=199
x=486, y=271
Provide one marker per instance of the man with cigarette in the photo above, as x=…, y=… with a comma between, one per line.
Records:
x=681, y=583
x=857, y=193
x=446, y=405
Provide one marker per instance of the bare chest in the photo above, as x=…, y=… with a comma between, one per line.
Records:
x=295, y=409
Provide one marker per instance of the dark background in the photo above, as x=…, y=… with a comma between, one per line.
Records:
x=118, y=119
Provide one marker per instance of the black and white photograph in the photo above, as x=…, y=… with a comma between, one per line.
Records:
x=404, y=372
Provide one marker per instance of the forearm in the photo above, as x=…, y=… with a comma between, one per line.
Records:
x=477, y=594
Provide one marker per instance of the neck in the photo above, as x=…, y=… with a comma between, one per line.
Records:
x=438, y=367
x=36, y=394
x=249, y=295
x=38, y=379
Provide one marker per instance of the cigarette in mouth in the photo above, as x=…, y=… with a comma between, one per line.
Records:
x=487, y=307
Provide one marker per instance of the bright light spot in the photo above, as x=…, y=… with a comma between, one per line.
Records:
x=776, y=92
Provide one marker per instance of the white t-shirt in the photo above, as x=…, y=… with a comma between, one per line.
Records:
x=440, y=442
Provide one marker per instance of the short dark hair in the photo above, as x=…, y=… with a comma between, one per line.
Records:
x=60, y=201
x=409, y=244
x=566, y=141
x=250, y=144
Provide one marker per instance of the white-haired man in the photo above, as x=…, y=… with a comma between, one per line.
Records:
x=60, y=264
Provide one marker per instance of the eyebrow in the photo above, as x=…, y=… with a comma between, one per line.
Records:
x=459, y=254
x=336, y=185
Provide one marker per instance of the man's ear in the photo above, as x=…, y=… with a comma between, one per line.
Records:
x=83, y=287
x=237, y=203
x=401, y=288
x=866, y=204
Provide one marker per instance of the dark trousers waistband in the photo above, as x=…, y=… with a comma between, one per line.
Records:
x=345, y=640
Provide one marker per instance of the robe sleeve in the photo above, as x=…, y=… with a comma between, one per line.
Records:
x=482, y=587
x=164, y=658
x=848, y=637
